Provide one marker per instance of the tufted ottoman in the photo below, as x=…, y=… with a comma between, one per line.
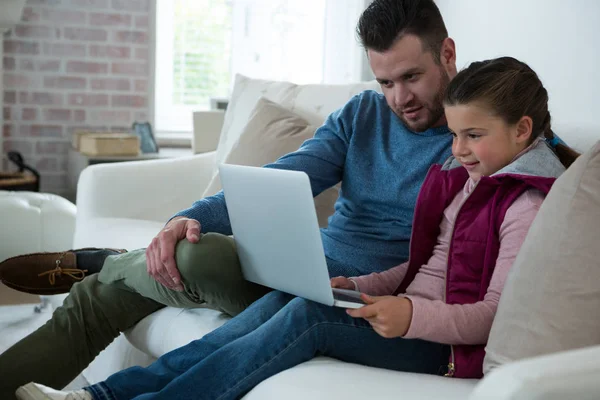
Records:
x=33, y=222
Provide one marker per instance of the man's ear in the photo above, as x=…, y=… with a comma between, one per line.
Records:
x=524, y=129
x=448, y=57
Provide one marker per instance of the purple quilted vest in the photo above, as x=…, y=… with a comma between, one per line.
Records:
x=474, y=244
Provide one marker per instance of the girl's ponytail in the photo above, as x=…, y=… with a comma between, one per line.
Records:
x=565, y=154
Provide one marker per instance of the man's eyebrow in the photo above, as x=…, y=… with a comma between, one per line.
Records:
x=403, y=74
x=411, y=71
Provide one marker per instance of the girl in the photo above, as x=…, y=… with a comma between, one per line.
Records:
x=434, y=311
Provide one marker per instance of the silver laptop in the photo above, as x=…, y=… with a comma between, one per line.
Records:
x=277, y=235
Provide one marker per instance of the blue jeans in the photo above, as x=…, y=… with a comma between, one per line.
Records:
x=275, y=333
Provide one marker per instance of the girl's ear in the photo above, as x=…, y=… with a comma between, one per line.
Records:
x=524, y=129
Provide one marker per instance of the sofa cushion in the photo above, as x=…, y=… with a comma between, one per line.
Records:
x=271, y=132
x=312, y=102
x=551, y=298
x=170, y=328
x=571, y=374
x=325, y=378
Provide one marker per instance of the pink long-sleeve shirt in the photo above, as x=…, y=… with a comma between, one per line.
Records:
x=432, y=318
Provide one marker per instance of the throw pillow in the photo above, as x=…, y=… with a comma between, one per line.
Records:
x=271, y=132
x=551, y=298
x=313, y=102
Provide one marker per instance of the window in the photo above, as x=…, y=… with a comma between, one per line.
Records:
x=202, y=44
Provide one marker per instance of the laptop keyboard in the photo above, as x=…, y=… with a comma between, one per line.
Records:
x=350, y=296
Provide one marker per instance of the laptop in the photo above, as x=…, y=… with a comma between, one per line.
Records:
x=275, y=228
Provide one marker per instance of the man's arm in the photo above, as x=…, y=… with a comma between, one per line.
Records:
x=322, y=158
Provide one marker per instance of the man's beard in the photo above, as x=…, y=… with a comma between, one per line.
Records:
x=435, y=111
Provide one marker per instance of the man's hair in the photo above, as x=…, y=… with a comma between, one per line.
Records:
x=386, y=21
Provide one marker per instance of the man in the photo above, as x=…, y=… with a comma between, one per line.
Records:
x=380, y=147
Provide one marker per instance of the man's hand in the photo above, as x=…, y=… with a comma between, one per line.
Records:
x=160, y=255
x=389, y=316
x=341, y=282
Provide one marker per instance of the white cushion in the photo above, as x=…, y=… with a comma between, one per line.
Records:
x=565, y=375
x=272, y=132
x=551, y=298
x=170, y=328
x=312, y=102
x=324, y=379
x=119, y=355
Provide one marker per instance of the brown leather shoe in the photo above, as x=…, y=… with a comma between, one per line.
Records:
x=43, y=273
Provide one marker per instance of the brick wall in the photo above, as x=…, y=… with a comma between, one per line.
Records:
x=71, y=65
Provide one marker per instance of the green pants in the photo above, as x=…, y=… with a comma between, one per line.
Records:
x=102, y=306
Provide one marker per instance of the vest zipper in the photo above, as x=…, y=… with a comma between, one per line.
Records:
x=450, y=372
x=451, y=364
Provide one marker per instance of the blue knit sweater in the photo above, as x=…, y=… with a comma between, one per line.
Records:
x=381, y=164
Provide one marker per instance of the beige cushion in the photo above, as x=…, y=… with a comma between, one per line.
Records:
x=313, y=102
x=271, y=132
x=551, y=300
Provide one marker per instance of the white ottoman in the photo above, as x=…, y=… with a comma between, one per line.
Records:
x=33, y=222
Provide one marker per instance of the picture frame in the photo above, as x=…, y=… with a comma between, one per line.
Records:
x=147, y=142
x=219, y=103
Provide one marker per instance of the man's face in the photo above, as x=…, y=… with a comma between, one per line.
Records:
x=412, y=82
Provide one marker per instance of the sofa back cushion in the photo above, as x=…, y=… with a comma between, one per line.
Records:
x=271, y=132
x=311, y=102
x=551, y=298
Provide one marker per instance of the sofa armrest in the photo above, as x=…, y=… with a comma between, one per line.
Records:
x=150, y=190
x=569, y=374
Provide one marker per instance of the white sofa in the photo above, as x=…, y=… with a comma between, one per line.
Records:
x=126, y=204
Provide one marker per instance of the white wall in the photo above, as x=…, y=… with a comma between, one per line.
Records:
x=366, y=72
x=559, y=39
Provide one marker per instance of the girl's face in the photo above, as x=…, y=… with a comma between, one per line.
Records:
x=483, y=142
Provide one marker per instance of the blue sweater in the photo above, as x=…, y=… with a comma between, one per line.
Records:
x=381, y=164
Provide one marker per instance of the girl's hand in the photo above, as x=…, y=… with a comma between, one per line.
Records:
x=341, y=282
x=389, y=316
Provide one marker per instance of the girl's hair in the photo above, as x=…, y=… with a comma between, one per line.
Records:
x=512, y=90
